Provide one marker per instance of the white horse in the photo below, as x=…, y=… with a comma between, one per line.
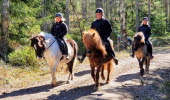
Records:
x=46, y=45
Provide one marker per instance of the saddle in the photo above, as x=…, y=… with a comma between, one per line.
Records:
x=62, y=46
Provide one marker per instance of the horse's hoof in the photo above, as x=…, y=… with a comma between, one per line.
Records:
x=142, y=80
x=68, y=82
x=107, y=82
x=96, y=88
x=147, y=72
x=53, y=85
x=103, y=78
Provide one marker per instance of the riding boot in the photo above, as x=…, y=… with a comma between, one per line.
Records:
x=66, y=50
x=149, y=48
x=82, y=58
x=113, y=55
x=133, y=53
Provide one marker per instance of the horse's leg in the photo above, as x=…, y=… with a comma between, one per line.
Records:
x=97, y=77
x=71, y=65
x=53, y=70
x=147, y=66
x=141, y=68
x=109, y=70
x=102, y=72
x=92, y=73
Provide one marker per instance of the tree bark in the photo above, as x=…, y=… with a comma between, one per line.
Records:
x=5, y=29
x=123, y=33
x=167, y=3
x=149, y=11
x=99, y=3
x=43, y=14
x=137, y=14
x=67, y=14
x=111, y=8
x=84, y=9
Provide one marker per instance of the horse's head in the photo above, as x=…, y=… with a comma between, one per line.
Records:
x=139, y=40
x=92, y=42
x=89, y=40
x=38, y=43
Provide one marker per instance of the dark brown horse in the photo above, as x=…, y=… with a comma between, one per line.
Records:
x=141, y=53
x=96, y=53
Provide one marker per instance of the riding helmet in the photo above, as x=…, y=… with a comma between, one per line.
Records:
x=59, y=15
x=99, y=10
x=145, y=18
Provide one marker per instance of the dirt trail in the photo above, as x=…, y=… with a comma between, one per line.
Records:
x=124, y=85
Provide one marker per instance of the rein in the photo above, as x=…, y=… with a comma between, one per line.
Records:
x=48, y=47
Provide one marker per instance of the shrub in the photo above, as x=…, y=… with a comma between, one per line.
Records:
x=24, y=56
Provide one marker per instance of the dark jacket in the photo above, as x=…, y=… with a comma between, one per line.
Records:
x=103, y=27
x=59, y=30
x=146, y=30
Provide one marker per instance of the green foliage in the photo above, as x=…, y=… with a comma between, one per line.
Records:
x=23, y=57
x=77, y=37
x=160, y=41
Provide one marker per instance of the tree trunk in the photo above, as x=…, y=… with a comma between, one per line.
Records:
x=5, y=29
x=137, y=14
x=99, y=3
x=67, y=14
x=111, y=8
x=168, y=15
x=84, y=9
x=149, y=11
x=123, y=33
x=43, y=14
x=106, y=8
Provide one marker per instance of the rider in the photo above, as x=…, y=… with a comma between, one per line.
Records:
x=59, y=30
x=103, y=27
x=145, y=28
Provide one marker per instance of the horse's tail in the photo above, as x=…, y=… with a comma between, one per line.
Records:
x=75, y=48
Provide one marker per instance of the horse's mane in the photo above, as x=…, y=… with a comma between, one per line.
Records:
x=92, y=40
x=141, y=35
x=46, y=35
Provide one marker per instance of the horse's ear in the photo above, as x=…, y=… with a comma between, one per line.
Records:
x=142, y=39
x=32, y=38
x=93, y=34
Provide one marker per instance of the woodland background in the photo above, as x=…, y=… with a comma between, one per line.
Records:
x=20, y=19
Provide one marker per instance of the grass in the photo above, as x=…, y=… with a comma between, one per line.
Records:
x=17, y=77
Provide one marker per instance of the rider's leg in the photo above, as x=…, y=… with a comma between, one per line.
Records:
x=149, y=48
x=133, y=53
x=110, y=51
x=65, y=49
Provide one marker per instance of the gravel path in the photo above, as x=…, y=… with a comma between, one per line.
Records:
x=125, y=83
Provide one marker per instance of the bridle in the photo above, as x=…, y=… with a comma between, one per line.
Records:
x=48, y=48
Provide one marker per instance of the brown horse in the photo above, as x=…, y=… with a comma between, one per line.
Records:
x=141, y=53
x=96, y=53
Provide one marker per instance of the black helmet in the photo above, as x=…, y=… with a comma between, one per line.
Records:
x=59, y=15
x=145, y=18
x=99, y=10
